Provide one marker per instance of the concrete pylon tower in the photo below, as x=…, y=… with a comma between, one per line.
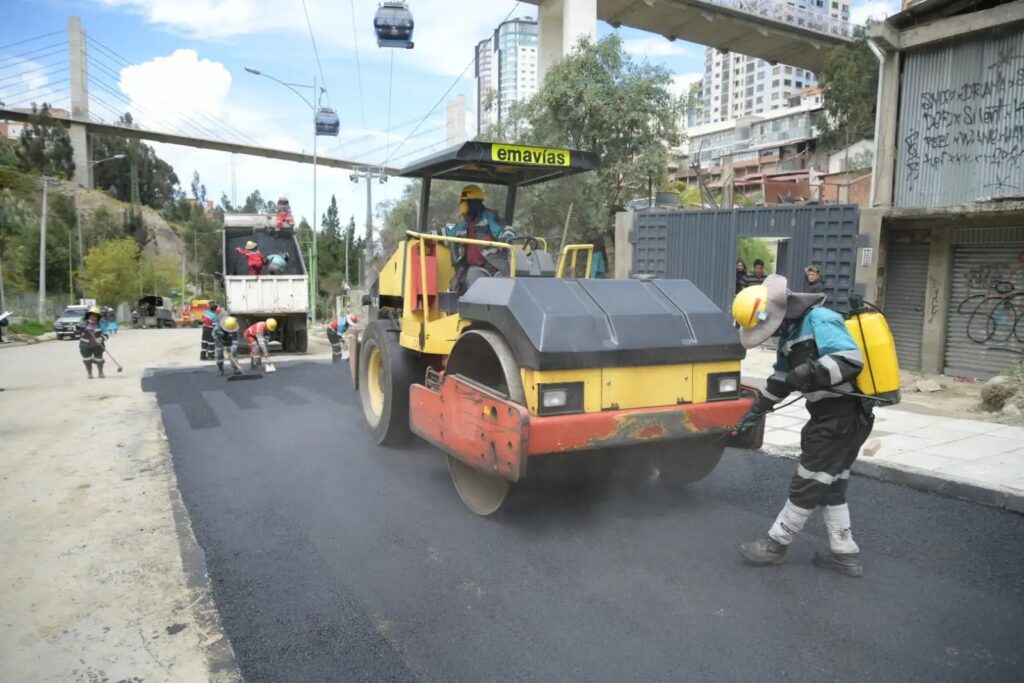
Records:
x=78, y=64
x=456, y=121
x=560, y=24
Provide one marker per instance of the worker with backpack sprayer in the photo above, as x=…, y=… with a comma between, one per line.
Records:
x=823, y=357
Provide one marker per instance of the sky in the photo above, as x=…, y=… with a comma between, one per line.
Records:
x=180, y=65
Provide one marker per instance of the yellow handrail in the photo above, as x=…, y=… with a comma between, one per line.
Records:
x=424, y=237
x=574, y=249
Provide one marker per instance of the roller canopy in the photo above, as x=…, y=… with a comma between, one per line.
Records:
x=554, y=324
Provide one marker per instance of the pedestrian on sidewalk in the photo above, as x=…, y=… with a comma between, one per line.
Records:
x=336, y=330
x=210, y=320
x=276, y=263
x=253, y=257
x=90, y=343
x=225, y=337
x=813, y=282
x=818, y=357
x=757, y=277
x=257, y=336
x=741, y=275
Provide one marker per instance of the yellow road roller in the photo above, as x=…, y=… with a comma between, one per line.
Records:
x=499, y=353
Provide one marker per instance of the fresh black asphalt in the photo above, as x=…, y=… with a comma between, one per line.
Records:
x=334, y=560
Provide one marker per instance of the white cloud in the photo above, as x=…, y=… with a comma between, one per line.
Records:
x=875, y=10
x=655, y=46
x=445, y=34
x=167, y=92
x=681, y=82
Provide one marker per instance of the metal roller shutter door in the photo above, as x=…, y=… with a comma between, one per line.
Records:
x=985, y=330
x=905, y=283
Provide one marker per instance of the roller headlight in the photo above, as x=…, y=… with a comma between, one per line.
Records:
x=723, y=386
x=560, y=399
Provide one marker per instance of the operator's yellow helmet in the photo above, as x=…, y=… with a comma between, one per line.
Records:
x=469, y=192
x=230, y=323
x=271, y=324
x=250, y=245
x=750, y=306
x=94, y=309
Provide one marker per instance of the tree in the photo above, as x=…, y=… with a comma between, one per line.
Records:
x=850, y=82
x=255, y=203
x=112, y=272
x=44, y=145
x=752, y=249
x=157, y=180
x=159, y=274
x=198, y=189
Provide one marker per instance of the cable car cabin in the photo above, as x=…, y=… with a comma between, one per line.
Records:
x=393, y=24
x=327, y=122
x=530, y=360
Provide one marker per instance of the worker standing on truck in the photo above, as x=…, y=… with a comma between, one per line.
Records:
x=253, y=257
x=276, y=263
x=210, y=319
x=478, y=223
x=90, y=343
x=336, y=330
x=818, y=357
x=225, y=337
x=257, y=336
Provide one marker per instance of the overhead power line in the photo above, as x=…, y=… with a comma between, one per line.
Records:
x=29, y=40
x=31, y=56
x=316, y=53
x=450, y=87
x=359, y=68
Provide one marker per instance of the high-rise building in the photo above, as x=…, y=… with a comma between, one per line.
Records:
x=506, y=70
x=736, y=85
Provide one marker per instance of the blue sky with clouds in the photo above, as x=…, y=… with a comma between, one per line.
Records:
x=183, y=68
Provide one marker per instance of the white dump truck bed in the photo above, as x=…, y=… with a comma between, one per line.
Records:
x=251, y=295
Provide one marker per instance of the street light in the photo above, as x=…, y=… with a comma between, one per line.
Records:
x=313, y=284
x=100, y=161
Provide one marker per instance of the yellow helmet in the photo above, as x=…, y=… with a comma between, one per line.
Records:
x=282, y=200
x=469, y=192
x=271, y=324
x=93, y=309
x=230, y=323
x=250, y=245
x=750, y=306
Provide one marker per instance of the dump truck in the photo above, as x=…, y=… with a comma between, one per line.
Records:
x=252, y=298
x=537, y=360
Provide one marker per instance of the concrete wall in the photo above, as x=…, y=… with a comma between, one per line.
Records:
x=623, y=247
x=870, y=265
x=936, y=313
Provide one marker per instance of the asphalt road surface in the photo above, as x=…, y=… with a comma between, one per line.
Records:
x=332, y=559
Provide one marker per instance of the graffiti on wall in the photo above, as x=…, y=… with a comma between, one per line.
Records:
x=962, y=125
x=993, y=304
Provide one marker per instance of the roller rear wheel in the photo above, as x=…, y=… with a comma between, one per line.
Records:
x=483, y=356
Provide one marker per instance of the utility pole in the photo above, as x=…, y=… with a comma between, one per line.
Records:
x=78, y=226
x=368, y=174
x=71, y=270
x=42, y=258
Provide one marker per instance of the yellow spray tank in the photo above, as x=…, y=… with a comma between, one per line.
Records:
x=880, y=377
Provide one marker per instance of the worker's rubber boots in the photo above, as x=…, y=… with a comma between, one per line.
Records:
x=763, y=551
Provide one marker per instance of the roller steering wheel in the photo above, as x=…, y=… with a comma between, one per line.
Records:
x=530, y=243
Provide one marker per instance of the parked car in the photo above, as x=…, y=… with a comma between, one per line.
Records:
x=69, y=324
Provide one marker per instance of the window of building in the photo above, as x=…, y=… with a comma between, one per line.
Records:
x=775, y=83
x=760, y=87
x=776, y=70
x=759, y=100
x=799, y=85
x=775, y=96
x=787, y=82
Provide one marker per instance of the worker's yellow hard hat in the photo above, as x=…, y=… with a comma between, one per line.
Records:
x=93, y=309
x=230, y=323
x=750, y=306
x=471, y=192
x=282, y=199
x=271, y=324
x=250, y=245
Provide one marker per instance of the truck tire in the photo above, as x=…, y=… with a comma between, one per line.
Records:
x=386, y=371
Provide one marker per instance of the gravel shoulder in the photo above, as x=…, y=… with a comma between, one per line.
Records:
x=102, y=578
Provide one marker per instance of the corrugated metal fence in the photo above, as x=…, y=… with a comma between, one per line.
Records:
x=701, y=246
x=961, y=127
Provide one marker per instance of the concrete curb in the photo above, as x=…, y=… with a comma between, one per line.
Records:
x=923, y=480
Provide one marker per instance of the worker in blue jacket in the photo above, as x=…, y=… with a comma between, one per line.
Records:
x=478, y=223
x=210, y=322
x=818, y=357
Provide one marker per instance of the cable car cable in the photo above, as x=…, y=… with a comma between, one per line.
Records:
x=316, y=53
x=359, y=68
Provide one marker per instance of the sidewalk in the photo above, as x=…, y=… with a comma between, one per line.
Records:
x=964, y=458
